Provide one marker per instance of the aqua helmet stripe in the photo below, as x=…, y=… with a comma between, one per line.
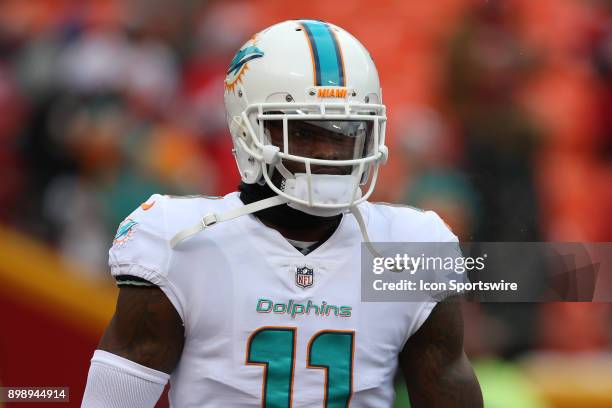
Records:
x=326, y=54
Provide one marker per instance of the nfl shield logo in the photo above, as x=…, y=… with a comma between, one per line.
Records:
x=304, y=277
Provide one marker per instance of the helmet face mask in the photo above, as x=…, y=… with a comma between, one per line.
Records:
x=321, y=139
x=326, y=142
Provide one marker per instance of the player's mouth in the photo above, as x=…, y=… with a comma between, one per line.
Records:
x=294, y=168
x=333, y=170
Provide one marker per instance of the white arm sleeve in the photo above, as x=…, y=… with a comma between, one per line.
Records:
x=116, y=382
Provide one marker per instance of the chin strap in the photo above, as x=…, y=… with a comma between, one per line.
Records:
x=214, y=218
x=364, y=231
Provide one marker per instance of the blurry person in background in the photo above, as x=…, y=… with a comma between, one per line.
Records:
x=432, y=163
x=601, y=58
x=486, y=66
x=89, y=131
x=105, y=127
x=583, y=214
x=13, y=108
x=239, y=314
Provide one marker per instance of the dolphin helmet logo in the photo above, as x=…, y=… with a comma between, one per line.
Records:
x=239, y=64
x=242, y=57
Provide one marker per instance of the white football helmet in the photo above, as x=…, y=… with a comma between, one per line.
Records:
x=303, y=98
x=305, y=112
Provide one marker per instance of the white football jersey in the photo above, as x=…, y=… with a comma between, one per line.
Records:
x=266, y=325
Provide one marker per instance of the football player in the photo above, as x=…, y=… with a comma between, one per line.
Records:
x=258, y=304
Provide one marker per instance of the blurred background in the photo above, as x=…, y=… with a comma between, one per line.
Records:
x=500, y=119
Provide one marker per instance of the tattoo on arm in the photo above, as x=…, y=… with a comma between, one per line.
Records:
x=435, y=367
x=146, y=329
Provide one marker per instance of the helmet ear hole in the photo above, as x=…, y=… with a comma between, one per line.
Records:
x=248, y=165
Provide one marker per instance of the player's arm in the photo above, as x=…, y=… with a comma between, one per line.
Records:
x=139, y=349
x=435, y=367
x=145, y=329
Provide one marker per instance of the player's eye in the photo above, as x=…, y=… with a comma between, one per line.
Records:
x=298, y=132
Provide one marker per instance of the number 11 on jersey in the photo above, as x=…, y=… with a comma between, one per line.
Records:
x=330, y=350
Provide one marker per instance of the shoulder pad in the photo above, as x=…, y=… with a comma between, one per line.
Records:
x=140, y=247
